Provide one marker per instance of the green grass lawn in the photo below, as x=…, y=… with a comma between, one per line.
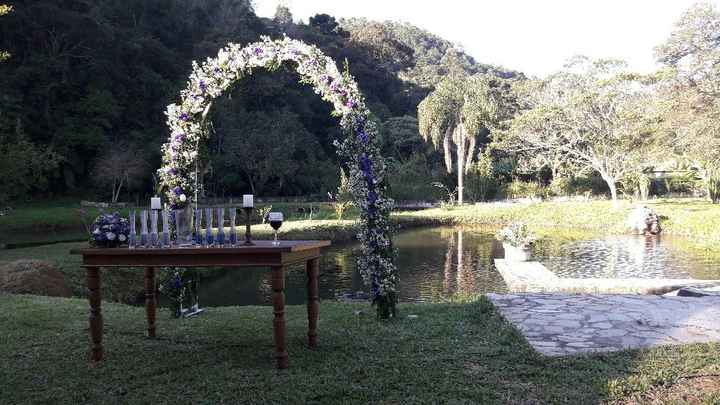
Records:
x=451, y=353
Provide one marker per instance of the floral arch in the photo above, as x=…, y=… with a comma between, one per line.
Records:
x=209, y=80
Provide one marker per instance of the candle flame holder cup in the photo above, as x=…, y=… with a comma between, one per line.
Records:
x=248, y=234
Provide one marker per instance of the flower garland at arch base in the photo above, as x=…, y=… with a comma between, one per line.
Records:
x=359, y=150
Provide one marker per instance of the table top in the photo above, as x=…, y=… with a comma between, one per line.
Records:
x=260, y=246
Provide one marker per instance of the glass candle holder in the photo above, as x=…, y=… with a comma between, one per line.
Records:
x=199, y=239
x=132, y=241
x=183, y=227
x=165, y=228
x=208, y=226
x=233, y=230
x=153, y=228
x=220, y=237
x=143, y=228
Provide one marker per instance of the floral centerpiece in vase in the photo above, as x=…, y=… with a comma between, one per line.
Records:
x=517, y=241
x=109, y=231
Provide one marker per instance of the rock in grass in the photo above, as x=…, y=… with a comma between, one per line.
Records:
x=699, y=292
x=33, y=277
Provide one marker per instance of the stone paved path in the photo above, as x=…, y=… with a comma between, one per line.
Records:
x=564, y=324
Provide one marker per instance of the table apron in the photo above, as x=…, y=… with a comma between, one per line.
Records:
x=201, y=260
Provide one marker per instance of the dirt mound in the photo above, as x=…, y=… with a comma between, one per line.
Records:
x=33, y=277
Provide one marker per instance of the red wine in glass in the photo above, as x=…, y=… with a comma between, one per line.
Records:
x=275, y=219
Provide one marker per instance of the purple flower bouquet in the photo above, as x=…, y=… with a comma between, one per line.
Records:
x=109, y=230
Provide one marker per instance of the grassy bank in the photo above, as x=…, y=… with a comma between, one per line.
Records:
x=450, y=353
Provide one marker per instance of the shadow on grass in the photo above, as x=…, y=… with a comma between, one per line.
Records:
x=462, y=353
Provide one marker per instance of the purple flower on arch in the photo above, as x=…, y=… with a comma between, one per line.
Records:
x=365, y=165
x=258, y=51
x=375, y=286
x=179, y=137
x=203, y=86
x=372, y=198
x=363, y=136
x=184, y=117
x=351, y=104
x=177, y=190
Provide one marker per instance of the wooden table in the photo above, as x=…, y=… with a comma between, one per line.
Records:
x=262, y=254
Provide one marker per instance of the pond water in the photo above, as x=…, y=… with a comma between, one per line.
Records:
x=435, y=263
x=442, y=263
x=625, y=256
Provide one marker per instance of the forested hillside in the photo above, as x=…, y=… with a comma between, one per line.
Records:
x=83, y=94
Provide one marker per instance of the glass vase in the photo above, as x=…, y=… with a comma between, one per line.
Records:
x=199, y=239
x=165, y=241
x=183, y=226
x=153, y=228
x=208, y=226
x=221, y=226
x=233, y=230
x=144, y=228
x=132, y=242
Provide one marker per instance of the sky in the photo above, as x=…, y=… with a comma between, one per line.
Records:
x=532, y=36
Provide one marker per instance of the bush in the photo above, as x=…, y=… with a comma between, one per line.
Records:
x=412, y=180
x=24, y=167
x=481, y=183
x=525, y=189
x=561, y=186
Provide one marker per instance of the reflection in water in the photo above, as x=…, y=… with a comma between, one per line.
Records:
x=627, y=256
x=435, y=264
x=443, y=263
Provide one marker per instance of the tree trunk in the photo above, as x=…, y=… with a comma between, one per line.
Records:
x=612, y=184
x=460, y=143
x=447, y=149
x=613, y=194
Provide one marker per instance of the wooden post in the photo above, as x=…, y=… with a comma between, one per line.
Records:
x=150, y=300
x=278, y=286
x=313, y=269
x=96, y=320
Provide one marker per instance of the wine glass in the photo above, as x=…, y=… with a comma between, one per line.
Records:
x=276, y=220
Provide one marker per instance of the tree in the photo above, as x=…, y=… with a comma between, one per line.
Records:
x=120, y=166
x=690, y=90
x=283, y=16
x=24, y=166
x=4, y=9
x=593, y=116
x=454, y=114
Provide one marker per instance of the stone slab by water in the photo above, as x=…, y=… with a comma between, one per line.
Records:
x=564, y=324
x=535, y=277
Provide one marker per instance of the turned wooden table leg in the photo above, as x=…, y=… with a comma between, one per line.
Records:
x=96, y=320
x=278, y=286
x=150, y=300
x=313, y=270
